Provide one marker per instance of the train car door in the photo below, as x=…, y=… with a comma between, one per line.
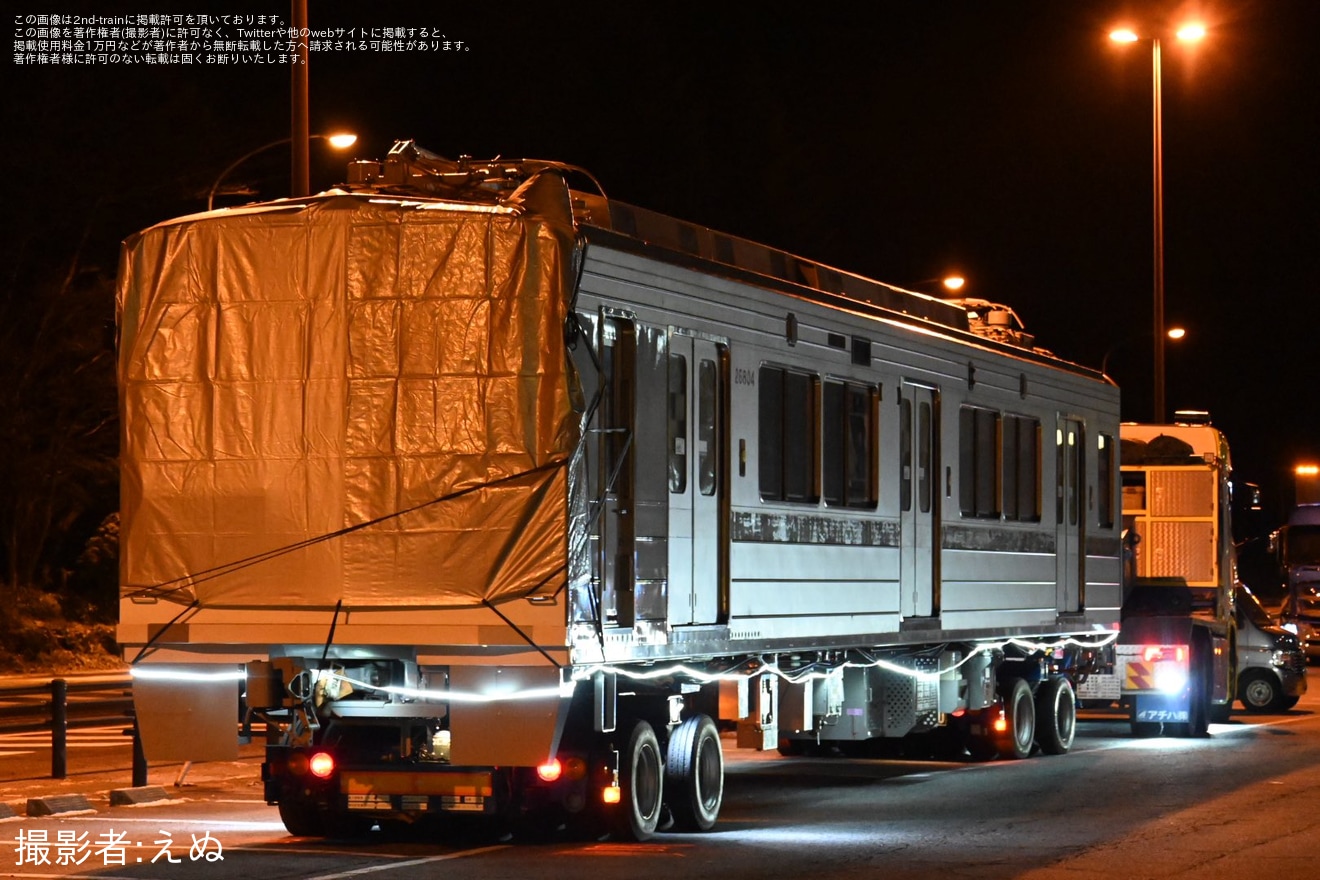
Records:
x=614, y=484
x=920, y=499
x=1070, y=485
x=698, y=480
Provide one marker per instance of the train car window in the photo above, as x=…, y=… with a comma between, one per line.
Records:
x=925, y=446
x=707, y=439
x=678, y=438
x=1069, y=469
x=905, y=454
x=770, y=444
x=848, y=445
x=978, y=457
x=1021, y=468
x=1105, y=479
x=787, y=435
x=619, y=368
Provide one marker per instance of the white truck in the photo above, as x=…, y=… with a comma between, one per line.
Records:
x=497, y=496
x=1295, y=548
x=1175, y=661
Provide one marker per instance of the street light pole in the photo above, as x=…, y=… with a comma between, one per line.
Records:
x=299, y=130
x=1157, y=310
x=1186, y=33
x=338, y=141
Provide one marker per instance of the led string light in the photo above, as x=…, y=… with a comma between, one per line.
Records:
x=429, y=695
x=797, y=677
x=149, y=673
x=677, y=670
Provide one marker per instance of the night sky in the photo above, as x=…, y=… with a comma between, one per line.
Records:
x=1008, y=141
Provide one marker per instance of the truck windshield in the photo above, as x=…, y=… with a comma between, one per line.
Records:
x=1302, y=546
x=1249, y=606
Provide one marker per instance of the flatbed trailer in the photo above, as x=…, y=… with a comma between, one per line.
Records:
x=501, y=497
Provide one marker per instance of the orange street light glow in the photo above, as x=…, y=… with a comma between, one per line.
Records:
x=1124, y=35
x=954, y=282
x=1177, y=333
x=1191, y=32
x=1307, y=470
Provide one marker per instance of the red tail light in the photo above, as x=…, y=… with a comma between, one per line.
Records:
x=550, y=770
x=321, y=765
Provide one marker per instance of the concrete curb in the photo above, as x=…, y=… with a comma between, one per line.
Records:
x=60, y=803
x=143, y=794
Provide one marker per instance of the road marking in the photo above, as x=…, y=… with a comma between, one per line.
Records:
x=29, y=742
x=412, y=863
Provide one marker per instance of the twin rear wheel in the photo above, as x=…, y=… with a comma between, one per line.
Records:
x=1048, y=718
x=689, y=781
x=694, y=774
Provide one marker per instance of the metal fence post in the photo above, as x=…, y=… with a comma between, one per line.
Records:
x=59, y=729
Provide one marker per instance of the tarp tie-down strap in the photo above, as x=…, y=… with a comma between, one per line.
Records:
x=526, y=638
x=189, y=610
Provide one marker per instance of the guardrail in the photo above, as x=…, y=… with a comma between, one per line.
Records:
x=102, y=700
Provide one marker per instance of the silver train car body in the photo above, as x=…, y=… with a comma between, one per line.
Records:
x=912, y=560
x=720, y=481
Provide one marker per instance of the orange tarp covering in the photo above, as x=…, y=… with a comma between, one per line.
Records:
x=305, y=384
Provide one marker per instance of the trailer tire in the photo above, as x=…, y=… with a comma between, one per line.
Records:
x=642, y=778
x=694, y=774
x=1056, y=715
x=302, y=818
x=311, y=818
x=1020, y=711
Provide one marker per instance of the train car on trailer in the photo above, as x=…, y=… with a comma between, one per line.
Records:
x=499, y=497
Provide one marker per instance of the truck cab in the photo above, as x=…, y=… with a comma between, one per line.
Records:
x=1270, y=659
x=1296, y=547
x=1176, y=655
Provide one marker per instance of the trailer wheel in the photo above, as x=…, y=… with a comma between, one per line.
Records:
x=310, y=818
x=1260, y=692
x=642, y=777
x=1020, y=712
x=1056, y=715
x=302, y=818
x=694, y=774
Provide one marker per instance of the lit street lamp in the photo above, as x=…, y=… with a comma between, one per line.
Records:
x=1174, y=333
x=951, y=283
x=1306, y=484
x=1189, y=32
x=340, y=141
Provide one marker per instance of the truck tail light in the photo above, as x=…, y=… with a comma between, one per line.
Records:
x=321, y=765
x=550, y=771
x=1152, y=653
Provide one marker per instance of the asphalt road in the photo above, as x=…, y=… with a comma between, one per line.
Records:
x=1243, y=803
